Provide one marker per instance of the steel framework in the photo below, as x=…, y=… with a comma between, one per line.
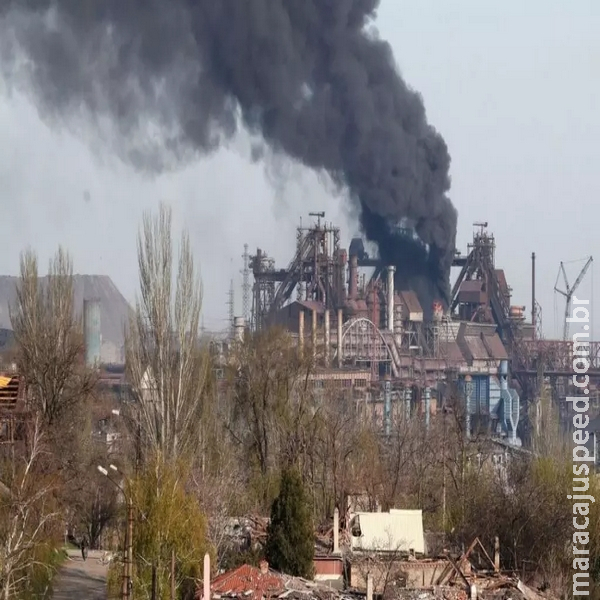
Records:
x=365, y=343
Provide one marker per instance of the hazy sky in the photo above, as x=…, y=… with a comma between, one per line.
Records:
x=513, y=88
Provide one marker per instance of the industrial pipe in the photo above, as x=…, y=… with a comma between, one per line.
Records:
x=427, y=406
x=239, y=326
x=336, y=531
x=353, y=283
x=206, y=581
x=407, y=400
x=468, y=392
x=327, y=337
x=387, y=406
x=301, y=331
x=390, y=303
x=314, y=334
x=340, y=325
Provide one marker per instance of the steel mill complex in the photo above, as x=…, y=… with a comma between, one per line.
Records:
x=378, y=339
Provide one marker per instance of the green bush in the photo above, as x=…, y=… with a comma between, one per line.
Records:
x=290, y=546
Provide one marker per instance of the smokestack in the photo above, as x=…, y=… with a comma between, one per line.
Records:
x=207, y=576
x=92, y=332
x=353, y=283
x=314, y=333
x=427, y=406
x=390, y=303
x=533, y=310
x=327, y=337
x=336, y=531
x=340, y=325
x=239, y=327
x=301, y=331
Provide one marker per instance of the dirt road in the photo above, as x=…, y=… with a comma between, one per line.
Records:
x=79, y=580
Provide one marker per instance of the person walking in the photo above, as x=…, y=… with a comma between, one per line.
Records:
x=84, y=548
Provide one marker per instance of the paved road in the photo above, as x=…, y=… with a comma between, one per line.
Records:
x=79, y=580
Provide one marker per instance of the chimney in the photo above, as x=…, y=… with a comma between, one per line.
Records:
x=206, y=576
x=327, y=337
x=301, y=331
x=239, y=326
x=390, y=303
x=369, y=587
x=353, y=283
x=264, y=567
x=336, y=531
x=340, y=325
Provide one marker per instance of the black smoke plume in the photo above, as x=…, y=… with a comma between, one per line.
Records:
x=174, y=78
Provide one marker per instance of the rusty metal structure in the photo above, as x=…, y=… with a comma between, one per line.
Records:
x=345, y=307
x=317, y=272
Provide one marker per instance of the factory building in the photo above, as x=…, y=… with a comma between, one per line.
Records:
x=369, y=335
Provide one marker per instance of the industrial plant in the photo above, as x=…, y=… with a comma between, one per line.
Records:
x=375, y=338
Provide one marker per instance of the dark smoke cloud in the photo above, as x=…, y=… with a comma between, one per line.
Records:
x=174, y=78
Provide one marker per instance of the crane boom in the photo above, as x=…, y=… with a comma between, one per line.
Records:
x=569, y=291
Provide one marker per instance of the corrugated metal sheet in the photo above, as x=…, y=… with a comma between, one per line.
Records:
x=413, y=306
x=494, y=395
x=451, y=351
x=496, y=347
x=481, y=394
x=396, y=531
x=311, y=305
x=477, y=348
x=472, y=292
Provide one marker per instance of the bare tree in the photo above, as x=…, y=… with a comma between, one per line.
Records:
x=50, y=338
x=25, y=512
x=337, y=449
x=166, y=366
x=273, y=416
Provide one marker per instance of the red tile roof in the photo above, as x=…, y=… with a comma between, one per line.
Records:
x=249, y=582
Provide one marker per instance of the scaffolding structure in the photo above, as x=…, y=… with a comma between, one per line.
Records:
x=317, y=273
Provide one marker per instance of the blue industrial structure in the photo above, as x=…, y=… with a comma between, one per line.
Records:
x=491, y=405
x=92, y=331
x=387, y=406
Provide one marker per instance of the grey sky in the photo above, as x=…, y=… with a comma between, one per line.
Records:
x=511, y=86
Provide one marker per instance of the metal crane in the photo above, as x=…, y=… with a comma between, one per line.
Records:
x=570, y=290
